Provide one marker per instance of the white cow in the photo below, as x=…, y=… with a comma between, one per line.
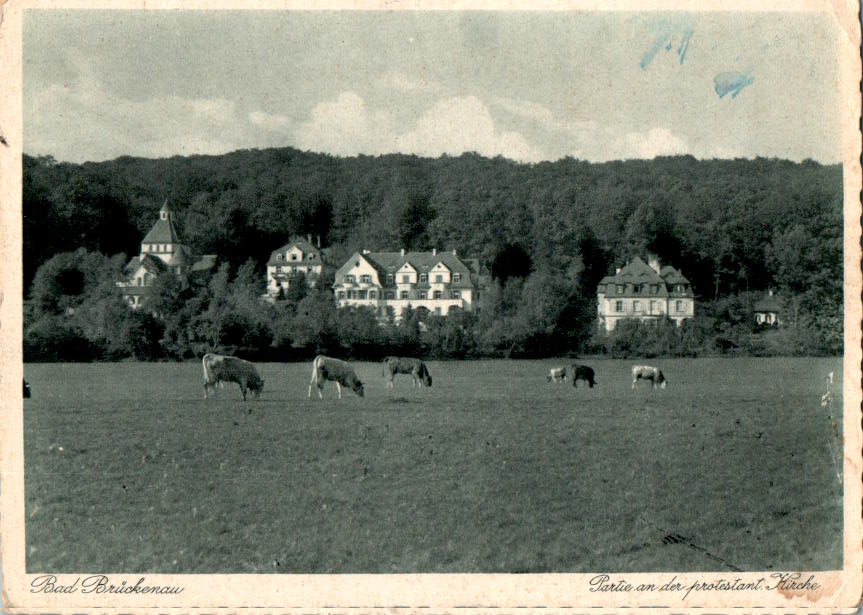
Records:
x=556, y=374
x=647, y=372
x=219, y=369
x=326, y=368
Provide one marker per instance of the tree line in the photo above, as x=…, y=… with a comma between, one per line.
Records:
x=546, y=232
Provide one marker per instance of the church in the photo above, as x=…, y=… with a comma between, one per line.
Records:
x=161, y=251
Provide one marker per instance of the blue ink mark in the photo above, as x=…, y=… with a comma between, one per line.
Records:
x=658, y=43
x=731, y=83
x=684, y=44
x=665, y=39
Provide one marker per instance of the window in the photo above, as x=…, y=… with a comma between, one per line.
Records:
x=654, y=288
x=456, y=277
x=653, y=306
x=679, y=305
x=373, y=294
x=293, y=256
x=456, y=294
x=389, y=295
x=423, y=278
x=349, y=279
x=423, y=295
x=636, y=306
x=618, y=306
x=636, y=288
x=361, y=294
x=341, y=294
x=406, y=279
x=619, y=291
x=311, y=257
x=437, y=311
x=438, y=294
x=389, y=278
x=404, y=294
x=278, y=257
x=438, y=278
x=366, y=279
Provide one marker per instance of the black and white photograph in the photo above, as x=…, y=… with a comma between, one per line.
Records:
x=430, y=307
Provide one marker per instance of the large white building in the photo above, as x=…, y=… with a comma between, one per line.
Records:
x=390, y=282
x=161, y=250
x=288, y=262
x=644, y=292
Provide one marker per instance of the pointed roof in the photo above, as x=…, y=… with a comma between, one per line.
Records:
x=768, y=303
x=635, y=271
x=163, y=231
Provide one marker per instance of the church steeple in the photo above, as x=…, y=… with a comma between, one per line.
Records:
x=166, y=213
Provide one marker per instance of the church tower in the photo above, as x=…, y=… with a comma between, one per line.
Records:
x=162, y=241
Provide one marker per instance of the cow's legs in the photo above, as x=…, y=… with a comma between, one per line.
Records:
x=634, y=380
x=242, y=390
x=339, y=385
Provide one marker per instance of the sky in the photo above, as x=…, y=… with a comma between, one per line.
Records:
x=529, y=86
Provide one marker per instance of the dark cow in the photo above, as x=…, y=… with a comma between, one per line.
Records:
x=326, y=368
x=646, y=372
x=402, y=365
x=219, y=369
x=556, y=375
x=582, y=372
x=26, y=390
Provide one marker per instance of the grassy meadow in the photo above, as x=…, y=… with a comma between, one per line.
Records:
x=129, y=469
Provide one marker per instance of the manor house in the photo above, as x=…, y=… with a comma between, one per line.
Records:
x=646, y=292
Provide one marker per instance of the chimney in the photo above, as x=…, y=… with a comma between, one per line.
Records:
x=309, y=237
x=770, y=292
x=454, y=252
x=365, y=251
x=319, y=242
x=617, y=271
x=653, y=261
x=403, y=251
x=434, y=251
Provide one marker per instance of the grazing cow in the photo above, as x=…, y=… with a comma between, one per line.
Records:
x=556, y=375
x=326, y=368
x=401, y=365
x=26, y=390
x=219, y=369
x=646, y=372
x=582, y=372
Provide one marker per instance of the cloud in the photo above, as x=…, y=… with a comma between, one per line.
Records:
x=399, y=82
x=654, y=142
x=82, y=121
x=345, y=126
x=463, y=124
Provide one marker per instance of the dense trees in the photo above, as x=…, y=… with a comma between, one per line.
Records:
x=547, y=232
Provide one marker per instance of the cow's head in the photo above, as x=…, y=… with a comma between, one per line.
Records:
x=425, y=376
x=358, y=388
x=256, y=386
x=662, y=380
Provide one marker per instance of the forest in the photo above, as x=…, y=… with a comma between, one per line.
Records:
x=546, y=232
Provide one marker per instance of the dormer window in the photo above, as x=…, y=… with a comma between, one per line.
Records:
x=654, y=288
x=406, y=279
x=423, y=278
x=620, y=289
x=366, y=279
x=293, y=256
x=389, y=278
x=456, y=277
x=311, y=256
x=438, y=279
x=279, y=256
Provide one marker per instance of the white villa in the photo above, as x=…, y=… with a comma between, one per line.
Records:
x=390, y=282
x=286, y=263
x=161, y=250
x=646, y=292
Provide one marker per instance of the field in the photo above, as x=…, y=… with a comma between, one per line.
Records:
x=128, y=469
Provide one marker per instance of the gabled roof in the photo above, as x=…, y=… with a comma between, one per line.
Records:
x=423, y=262
x=635, y=271
x=149, y=262
x=305, y=247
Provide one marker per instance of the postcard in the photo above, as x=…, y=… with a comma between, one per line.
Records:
x=430, y=307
